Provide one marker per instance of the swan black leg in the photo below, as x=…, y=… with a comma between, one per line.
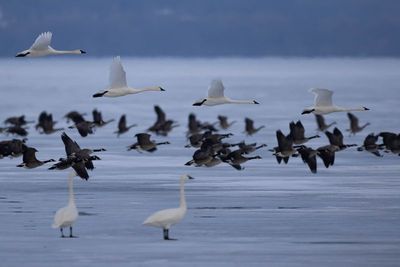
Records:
x=166, y=235
x=62, y=233
x=70, y=232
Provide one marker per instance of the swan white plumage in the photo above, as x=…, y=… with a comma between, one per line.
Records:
x=216, y=96
x=66, y=216
x=118, y=85
x=323, y=103
x=41, y=47
x=166, y=218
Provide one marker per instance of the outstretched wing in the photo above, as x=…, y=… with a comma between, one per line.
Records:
x=216, y=89
x=117, y=74
x=42, y=41
x=70, y=145
x=323, y=97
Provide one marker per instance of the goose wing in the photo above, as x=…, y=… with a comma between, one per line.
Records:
x=122, y=123
x=42, y=42
x=117, y=74
x=143, y=138
x=353, y=120
x=70, y=145
x=29, y=155
x=216, y=89
x=161, y=117
x=249, y=124
x=323, y=97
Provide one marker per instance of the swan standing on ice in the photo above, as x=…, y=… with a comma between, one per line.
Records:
x=166, y=218
x=118, y=84
x=41, y=47
x=66, y=216
x=216, y=96
x=323, y=103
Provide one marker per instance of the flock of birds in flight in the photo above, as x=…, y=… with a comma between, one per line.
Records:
x=211, y=147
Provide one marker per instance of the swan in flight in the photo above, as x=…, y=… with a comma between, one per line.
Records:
x=216, y=96
x=41, y=47
x=66, y=216
x=166, y=218
x=118, y=84
x=323, y=103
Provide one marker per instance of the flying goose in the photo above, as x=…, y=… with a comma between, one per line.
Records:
x=66, y=216
x=122, y=128
x=17, y=130
x=336, y=139
x=322, y=126
x=12, y=148
x=29, y=159
x=391, y=141
x=370, y=145
x=77, y=158
x=285, y=147
x=41, y=47
x=354, y=126
x=75, y=116
x=297, y=133
x=17, y=121
x=84, y=128
x=166, y=218
x=249, y=127
x=202, y=156
x=46, y=123
x=118, y=85
x=223, y=122
x=98, y=119
x=144, y=143
x=162, y=126
x=216, y=96
x=236, y=157
x=248, y=148
x=323, y=103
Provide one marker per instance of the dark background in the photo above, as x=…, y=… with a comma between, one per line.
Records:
x=206, y=28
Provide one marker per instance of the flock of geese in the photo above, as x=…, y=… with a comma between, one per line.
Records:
x=211, y=147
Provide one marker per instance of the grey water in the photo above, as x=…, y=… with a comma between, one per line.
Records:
x=265, y=215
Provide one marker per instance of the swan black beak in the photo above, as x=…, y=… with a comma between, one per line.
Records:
x=190, y=177
x=307, y=111
x=82, y=51
x=366, y=108
x=162, y=89
x=255, y=102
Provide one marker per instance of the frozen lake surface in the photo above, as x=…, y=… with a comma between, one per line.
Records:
x=265, y=215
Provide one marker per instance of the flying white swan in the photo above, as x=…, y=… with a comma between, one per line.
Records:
x=323, y=103
x=216, y=96
x=166, y=218
x=118, y=84
x=41, y=47
x=66, y=216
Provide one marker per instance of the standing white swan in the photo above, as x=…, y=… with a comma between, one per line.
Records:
x=323, y=103
x=166, y=218
x=41, y=47
x=216, y=96
x=66, y=216
x=118, y=85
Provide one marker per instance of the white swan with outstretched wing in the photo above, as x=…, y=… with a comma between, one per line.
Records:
x=118, y=84
x=41, y=47
x=323, y=103
x=216, y=96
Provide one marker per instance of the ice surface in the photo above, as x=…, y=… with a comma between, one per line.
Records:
x=266, y=215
